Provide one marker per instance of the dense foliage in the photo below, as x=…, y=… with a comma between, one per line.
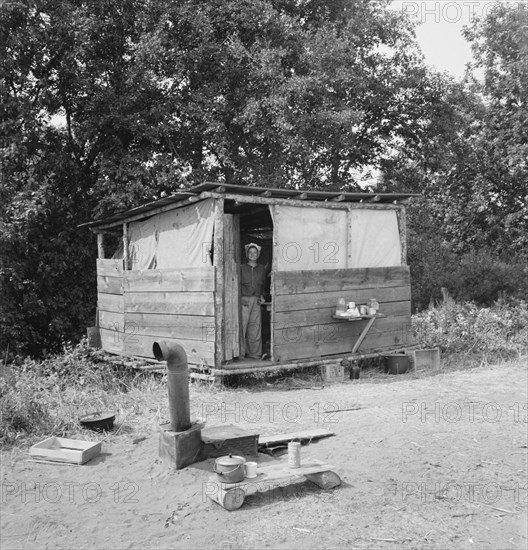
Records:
x=463, y=327
x=107, y=104
x=469, y=233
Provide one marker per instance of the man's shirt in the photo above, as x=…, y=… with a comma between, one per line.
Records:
x=252, y=279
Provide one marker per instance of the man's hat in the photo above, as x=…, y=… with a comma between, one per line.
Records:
x=250, y=245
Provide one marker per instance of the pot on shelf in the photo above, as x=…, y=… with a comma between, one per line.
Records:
x=229, y=469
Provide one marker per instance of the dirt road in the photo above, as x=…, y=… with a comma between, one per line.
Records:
x=439, y=463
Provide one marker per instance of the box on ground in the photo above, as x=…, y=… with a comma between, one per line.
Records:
x=426, y=359
x=333, y=373
x=60, y=449
x=228, y=439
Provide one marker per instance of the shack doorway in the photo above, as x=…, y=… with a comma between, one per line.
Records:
x=245, y=224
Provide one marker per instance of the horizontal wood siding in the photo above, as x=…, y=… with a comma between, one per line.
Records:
x=110, y=267
x=112, y=340
x=331, y=280
x=191, y=327
x=110, y=304
x=109, y=285
x=304, y=302
x=198, y=353
x=111, y=320
x=170, y=280
x=170, y=304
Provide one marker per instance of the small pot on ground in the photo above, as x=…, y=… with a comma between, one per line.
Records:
x=98, y=422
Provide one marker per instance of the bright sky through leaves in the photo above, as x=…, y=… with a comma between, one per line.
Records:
x=440, y=29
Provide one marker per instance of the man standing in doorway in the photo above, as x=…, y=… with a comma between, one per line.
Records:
x=252, y=277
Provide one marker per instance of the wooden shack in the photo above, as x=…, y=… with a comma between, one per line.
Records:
x=170, y=269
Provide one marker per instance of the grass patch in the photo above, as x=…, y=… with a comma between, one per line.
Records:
x=43, y=398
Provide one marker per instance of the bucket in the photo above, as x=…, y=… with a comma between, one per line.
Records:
x=397, y=363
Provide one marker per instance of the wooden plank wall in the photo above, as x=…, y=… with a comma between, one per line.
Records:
x=231, y=286
x=110, y=304
x=172, y=304
x=304, y=302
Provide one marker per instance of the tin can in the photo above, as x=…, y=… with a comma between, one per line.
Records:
x=294, y=454
x=363, y=310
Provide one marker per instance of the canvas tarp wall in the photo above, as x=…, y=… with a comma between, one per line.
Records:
x=179, y=238
x=309, y=238
x=322, y=238
x=375, y=238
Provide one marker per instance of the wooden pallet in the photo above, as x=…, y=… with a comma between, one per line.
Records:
x=272, y=475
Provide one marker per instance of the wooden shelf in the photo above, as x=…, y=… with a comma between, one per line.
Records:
x=360, y=318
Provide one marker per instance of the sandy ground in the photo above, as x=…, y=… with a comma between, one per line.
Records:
x=438, y=462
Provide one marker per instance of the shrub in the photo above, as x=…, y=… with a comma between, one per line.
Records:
x=464, y=327
x=483, y=276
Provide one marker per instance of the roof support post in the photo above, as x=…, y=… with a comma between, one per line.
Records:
x=125, y=247
x=100, y=246
x=402, y=226
x=218, y=262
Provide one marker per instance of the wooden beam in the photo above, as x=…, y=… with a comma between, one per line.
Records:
x=359, y=341
x=272, y=440
x=272, y=312
x=402, y=225
x=218, y=261
x=100, y=246
x=113, y=231
x=147, y=214
x=350, y=238
x=238, y=261
x=125, y=247
x=239, y=199
x=309, y=362
x=339, y=280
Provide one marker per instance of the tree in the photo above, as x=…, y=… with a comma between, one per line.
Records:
x=281, y=92
x=471, y=166
x=154, y=95
x=500, y=47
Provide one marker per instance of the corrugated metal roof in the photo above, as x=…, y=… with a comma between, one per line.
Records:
x=302, y=193
x=248, y=191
